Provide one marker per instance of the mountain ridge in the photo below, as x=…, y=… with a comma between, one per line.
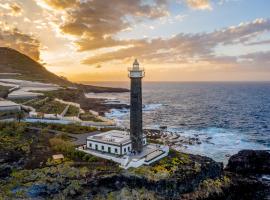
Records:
x=13, y=61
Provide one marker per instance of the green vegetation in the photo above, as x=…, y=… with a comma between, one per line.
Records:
x=215, y=184
x=68, y=128
x=13, y=138
x=212, y=186
x=39, y=174
x=87, y=116
x=27, y=101
x=31, y=183
x=47, y=105
x=166, y=167
x=154, y=141
x=72, y=111
x=51, y=107
x=128, y=193
x=7, y=114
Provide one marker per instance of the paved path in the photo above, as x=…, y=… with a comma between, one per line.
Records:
x=79, y=139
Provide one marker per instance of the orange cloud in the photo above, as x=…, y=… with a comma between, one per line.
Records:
x=61, y=4
x=199, y=4
x=95, y=23
x=13, y=38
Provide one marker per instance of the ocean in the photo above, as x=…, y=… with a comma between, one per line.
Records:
x=227, y=117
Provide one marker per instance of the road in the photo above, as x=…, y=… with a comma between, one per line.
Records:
x=79, y=139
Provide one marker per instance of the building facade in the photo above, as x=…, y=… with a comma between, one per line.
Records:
x=112, y=142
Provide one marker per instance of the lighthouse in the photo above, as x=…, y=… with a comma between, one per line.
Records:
x=129, y=149
x=136, y=131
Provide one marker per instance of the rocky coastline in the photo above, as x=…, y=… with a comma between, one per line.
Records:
x=27, y=171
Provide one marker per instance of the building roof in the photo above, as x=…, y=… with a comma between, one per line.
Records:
x=6, y=103
x=111, y=137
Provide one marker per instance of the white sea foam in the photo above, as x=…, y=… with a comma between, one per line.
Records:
x=117, y=113
x=151, y=107
x=218, y=143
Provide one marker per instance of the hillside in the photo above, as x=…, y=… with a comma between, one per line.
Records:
x=12, y=61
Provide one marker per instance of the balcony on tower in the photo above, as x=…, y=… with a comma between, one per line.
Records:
x=136, y=71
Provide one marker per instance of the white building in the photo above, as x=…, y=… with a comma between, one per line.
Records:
x=9, y=106
x=112, y=142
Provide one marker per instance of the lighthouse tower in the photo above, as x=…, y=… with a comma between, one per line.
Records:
x=136, y=131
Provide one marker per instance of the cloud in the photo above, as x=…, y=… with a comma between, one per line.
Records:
x=263, y=42
x=16, y=9
x=59, y=4
x=257, y=58
x=199, y=4
x=13, y=38
x=187, y=48
x=12, y=9
x=95, y=23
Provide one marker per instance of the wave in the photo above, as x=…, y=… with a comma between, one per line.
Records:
x=217, y=143
x=119, y=113
x=151, y=107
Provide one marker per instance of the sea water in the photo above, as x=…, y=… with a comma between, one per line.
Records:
x=227, y=117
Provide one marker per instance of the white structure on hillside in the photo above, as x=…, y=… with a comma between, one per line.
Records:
x=6, y=105
x=24, y=89
x=113, y=142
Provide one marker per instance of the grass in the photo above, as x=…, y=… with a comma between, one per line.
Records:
x=52, y=107
x=68, y=128
x=165, y=167
x=47, y=105
x=87, y=116
x=72, y=111
x=27, y=101
x=7, y=114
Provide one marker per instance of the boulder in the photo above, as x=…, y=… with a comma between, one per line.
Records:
x=250, y=162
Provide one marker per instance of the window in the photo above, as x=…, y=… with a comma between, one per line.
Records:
x=125, y=150
x=102, y=147
x=90, y=145
x=115, y=150
x=128, y=148
x=109, y=149
x=96, y=147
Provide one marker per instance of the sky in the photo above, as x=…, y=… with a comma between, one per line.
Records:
x=174, y=40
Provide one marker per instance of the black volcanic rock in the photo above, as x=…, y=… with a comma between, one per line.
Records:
x=186, y=179
x=250, y=162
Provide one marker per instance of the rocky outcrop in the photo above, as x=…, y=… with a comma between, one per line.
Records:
x=250, y=162
x=180, y=182
x=242, y=179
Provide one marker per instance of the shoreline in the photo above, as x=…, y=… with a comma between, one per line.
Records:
x=218, y=143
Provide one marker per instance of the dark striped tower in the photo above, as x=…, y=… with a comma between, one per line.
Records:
x=136, y=131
